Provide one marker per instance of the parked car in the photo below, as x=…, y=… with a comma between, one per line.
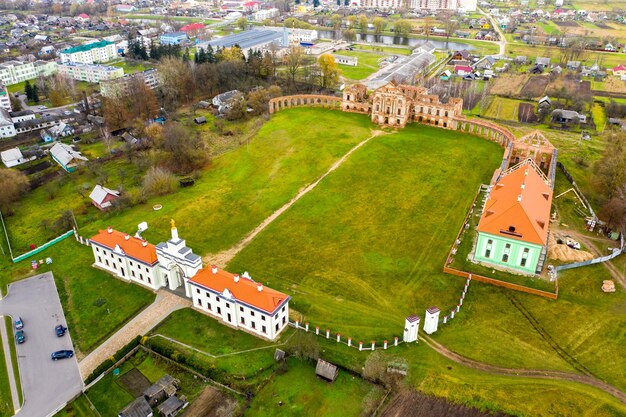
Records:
x=67, y=113
x=42, y=108
x=20, y=337
x=19, y=323
x=62, y=354
x=60, y=330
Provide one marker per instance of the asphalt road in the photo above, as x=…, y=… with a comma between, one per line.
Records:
x=46, y=384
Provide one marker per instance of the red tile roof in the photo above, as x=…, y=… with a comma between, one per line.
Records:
x=133, y=247
x=464, y=68
x=192, y=26
x=620, y=67
x=518, y=206
x=244, y=290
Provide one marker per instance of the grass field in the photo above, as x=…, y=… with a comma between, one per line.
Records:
x=367, y=64
x=6, y=402
x=252, y=181
x=131, y=67
x=301, y=393
x=382, y=239
x=503, y=109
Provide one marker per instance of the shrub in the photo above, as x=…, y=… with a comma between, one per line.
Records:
x=158, y=181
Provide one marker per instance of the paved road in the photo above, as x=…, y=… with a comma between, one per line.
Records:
x=164, y=304
x=502, y=42
x=46, y=384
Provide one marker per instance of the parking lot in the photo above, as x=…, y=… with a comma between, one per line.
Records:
x=46, y=384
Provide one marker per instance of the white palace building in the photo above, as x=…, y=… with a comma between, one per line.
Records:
x=238, y=301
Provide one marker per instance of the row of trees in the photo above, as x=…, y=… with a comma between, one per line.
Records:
x=609, y=179
x=31, y=91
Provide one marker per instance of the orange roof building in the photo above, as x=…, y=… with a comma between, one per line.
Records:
x=240, y=301
x=513, y=228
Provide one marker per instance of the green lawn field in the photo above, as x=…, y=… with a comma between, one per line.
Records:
x=301, y=393
x=367, y=64
x=366, y=247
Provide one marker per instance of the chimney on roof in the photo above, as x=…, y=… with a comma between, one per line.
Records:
x=144, y=243
x=236, y=277
x=526, y=173
x=260, y=287
x=213, y=269
x=126, y=236
x=519, y=197
x=109, y=230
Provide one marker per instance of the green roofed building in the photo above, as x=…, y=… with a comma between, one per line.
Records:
x=90, y=53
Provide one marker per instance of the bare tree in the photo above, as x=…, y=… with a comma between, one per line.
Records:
x=294, y=59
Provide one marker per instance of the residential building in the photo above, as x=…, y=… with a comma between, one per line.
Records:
x=255, y=39
x=237, y=300
x=66, y=156
x=45, y=68
x=22, y=115
x=619, y=70
x=7, y=128
x=111, y=88
x=13, y=157
x=240, y=302
x=82, y=18
x=35, y=123
x=173, y=38
x=139, y=407
x=5, y=98
x=13, y=72
x=90, y=53
x=261, y=15
x=92, y=73
x=513, y=228
x=404, y=69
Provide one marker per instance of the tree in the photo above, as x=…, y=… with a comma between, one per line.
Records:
x=379, y=25
x=187, y=152
x=316, y=3
x=449, y=23
x=303, y=346
x=13, y=185
x=427, y=26
x=294, y=59
x=363, y=21
x=336, y=20
x=231, y=54
x=28, y=90
x=402, y=28
x=258, y=99
x=35, y=93
x=349, y=35
x=329, y=71
x=242, y=23
x=352, y=19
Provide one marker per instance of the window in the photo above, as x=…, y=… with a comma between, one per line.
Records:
x=141, y=277
x=263, y=317
x=197, y=291
x=208, y=295
x=149, y=280
x=219, y=310
x=264, y=329
x=243, y=321
x=131, y=263
x=99, y=259
x=107, y=262
x=284, y=319
x=147, y=270
x=487, y=253
x=507, y=248
x=217, y=299
x=523, y=262
x=253, y=324
x=283, y=310
x=123, y=273
x=132, y=273
x=199, y=302
x=276, y=317
x=505, y=257
x=228, y=317
x=241, y=309
x=276, y=327
x=114, y=266
x=227, y=305
x=209, y=306
x=252, y=313
x=97, y=248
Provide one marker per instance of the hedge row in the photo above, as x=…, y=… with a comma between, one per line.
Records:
x=113, y=359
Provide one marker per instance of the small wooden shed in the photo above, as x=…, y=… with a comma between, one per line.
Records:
x=326, y=370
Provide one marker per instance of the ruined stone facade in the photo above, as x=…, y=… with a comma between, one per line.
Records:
x=396, y=105
x=536, y=147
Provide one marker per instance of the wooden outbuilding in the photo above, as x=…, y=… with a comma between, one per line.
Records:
x=326, y=370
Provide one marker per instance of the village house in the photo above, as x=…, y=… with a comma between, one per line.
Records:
x=238, y=301
x=103, y=197
x=14, y=157
x=619, y=70
x=513, y=228
x=66, y=156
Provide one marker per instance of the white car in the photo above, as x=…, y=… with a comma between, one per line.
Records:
x=42, y=108
x=67, y=113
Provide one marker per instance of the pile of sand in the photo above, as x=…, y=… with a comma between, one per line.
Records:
x=564, y=253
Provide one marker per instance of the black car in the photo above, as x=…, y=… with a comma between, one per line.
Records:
x=60, y=330
x=20, y=337
x=62, y=354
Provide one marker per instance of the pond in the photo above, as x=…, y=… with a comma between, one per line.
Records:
x=398, y=40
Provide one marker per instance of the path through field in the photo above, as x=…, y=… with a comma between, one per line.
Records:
x=528, y=373
x=221, y=259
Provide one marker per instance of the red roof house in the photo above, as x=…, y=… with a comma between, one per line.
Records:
x=192, y=27
x=82, y=17
x=462, y=69
x=131, y=246
x=103, y=197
